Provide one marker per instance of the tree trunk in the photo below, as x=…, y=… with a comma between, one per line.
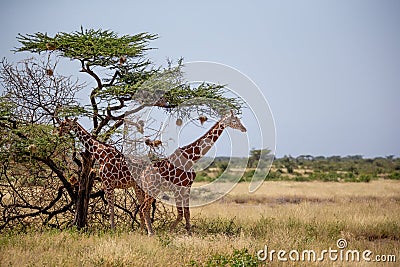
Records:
x=85, y=188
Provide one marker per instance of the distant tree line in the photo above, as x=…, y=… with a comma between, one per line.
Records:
x=354, y=168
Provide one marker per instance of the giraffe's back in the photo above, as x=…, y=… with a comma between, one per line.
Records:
x=173, y=174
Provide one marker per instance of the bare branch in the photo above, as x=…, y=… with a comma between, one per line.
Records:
x=36, y=90
x=50, y=163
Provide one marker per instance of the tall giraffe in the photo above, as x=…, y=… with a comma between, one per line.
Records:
x=176, y=173
x=114, y=171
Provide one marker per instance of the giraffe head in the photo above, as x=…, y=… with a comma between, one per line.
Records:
x=233, y=122
x=66, y=126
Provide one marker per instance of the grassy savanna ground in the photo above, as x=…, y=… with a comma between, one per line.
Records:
x=281, y=215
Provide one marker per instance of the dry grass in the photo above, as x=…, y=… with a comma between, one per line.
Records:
x=281, y=215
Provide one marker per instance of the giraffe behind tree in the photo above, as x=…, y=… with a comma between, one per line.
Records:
x=176, y=173
x=114, y=171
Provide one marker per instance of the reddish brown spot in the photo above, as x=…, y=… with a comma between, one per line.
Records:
x=197, y=150
x=216, y=134
x=175, y=175
x=103, y=154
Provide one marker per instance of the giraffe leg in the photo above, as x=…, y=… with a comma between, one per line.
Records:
x=110, y=199
x=142, y=220
x=186, y=198
x=140, y=196
x=187, y=219
x=178, y=217
x=139, y=210
x=145, y=209
x=153, y=205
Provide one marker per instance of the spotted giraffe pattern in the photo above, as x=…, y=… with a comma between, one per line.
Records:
x=114, y=171
x=176, y=173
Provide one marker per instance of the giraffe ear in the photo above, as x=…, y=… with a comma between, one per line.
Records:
x=75, y=119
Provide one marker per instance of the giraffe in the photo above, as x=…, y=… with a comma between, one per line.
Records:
x=176, y=172
x=114, y=171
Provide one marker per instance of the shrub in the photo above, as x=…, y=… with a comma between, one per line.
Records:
x=394, y=175
x=228, y=227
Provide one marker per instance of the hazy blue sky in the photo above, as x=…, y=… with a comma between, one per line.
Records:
x=329, y=69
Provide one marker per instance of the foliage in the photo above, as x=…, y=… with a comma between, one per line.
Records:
x=309, y=168
x=394, y=175
x=336, y=168
x=247, y=176
x=97, y=47
x=29, y=141
x=260, y=158
x=134, y=78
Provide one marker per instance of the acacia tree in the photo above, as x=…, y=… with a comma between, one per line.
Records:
x=124, y=77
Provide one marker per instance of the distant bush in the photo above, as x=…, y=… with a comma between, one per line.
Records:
x=273, y=176
x=247, y=176
x=394, y=175
x=202, y=176
x=307, y=168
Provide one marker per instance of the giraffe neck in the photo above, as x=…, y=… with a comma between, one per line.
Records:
x=201, y=146
x=86, y=138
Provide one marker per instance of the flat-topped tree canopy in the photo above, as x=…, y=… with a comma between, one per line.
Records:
x=135, y=78
x=96, y=47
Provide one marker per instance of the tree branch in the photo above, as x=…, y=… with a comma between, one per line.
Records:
x=40, y=210
x=117, y=107
x=50, y=163
x=61, y=210
x=139, y=108
x=103, y=123
x=86, y=68
x=116, y=125
x=113, y=78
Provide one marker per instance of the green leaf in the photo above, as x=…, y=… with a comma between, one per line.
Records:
x=96, y=47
